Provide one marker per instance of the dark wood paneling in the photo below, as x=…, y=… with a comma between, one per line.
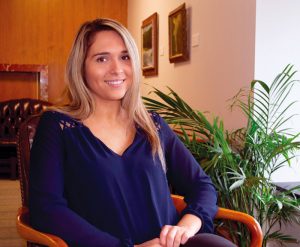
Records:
x=18, y=85
x=41, y=32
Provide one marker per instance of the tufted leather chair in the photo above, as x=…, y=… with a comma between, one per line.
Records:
x=12, y=114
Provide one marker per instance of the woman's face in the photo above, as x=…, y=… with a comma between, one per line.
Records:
x=108, y=69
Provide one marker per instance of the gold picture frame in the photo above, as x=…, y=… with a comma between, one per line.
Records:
x=150, y=45
x=178, y=50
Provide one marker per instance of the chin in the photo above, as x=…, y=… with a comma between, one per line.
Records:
x=116, y=98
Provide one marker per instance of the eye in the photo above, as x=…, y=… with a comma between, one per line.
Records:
x=125, y=57
x=101, y=59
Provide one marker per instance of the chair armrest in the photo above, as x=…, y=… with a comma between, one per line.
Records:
x=228, y=214
x=251, y=223
x=32, y=235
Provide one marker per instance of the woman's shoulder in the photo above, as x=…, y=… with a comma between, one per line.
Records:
x=61, y=118
x=55, y=115
x=161, y=124
x=156, y=118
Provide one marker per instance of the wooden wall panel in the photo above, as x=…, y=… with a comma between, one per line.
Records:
x=41, y=32
x=18, y=85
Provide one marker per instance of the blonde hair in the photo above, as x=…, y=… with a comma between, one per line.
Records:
x=80, y=102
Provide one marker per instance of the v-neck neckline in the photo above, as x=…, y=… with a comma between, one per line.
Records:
x=107, y=147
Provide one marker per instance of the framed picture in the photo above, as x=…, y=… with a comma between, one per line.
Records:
x=149, y=46
x=178, y=51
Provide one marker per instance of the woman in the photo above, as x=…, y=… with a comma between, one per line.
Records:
x=101, y=165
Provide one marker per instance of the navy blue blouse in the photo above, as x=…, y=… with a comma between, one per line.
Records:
x=90, y=196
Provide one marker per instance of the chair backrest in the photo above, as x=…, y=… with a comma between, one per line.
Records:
x=24, y=141
x=14, y=112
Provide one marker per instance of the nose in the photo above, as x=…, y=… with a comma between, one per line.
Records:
x=116, y=67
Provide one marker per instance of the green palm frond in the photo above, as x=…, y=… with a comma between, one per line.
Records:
x=281, y=238
x=242, y=162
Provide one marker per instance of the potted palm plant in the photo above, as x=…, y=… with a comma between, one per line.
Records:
x=241, y=163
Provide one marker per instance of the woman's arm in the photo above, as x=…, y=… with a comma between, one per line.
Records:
x=188, y=179
x=49, y=210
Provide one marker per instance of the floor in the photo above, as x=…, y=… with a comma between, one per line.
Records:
x=10, y=201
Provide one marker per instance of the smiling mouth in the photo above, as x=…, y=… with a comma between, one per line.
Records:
x=114, y=82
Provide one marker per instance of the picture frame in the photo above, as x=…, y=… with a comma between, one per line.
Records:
x=178, y=50
x=149, y=45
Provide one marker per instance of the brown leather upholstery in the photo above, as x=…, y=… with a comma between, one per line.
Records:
x=24, y=141
x=12, y=114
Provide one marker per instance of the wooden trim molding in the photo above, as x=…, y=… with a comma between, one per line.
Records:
x=40, y=70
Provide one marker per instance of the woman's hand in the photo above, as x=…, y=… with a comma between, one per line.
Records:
x=174, y=236
x=151, y=243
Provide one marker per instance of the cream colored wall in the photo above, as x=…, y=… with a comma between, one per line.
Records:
x=221, y=64
x=277, y=44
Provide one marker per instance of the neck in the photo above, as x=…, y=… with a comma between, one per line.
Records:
x=111, y=111
x=108, y=111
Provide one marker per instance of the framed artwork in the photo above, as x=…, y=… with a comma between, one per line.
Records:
x=178, y=51
x=149, y=46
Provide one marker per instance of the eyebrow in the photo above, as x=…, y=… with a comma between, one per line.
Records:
x=107, y=53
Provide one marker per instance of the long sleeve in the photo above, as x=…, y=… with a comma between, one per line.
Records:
x=188, y=179
x=49, y=211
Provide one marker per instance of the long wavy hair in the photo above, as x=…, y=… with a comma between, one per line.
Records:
x=80, y=101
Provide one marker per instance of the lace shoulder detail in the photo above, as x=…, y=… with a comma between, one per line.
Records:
x=67, y=124
x=65, y=121
x=156, y=119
